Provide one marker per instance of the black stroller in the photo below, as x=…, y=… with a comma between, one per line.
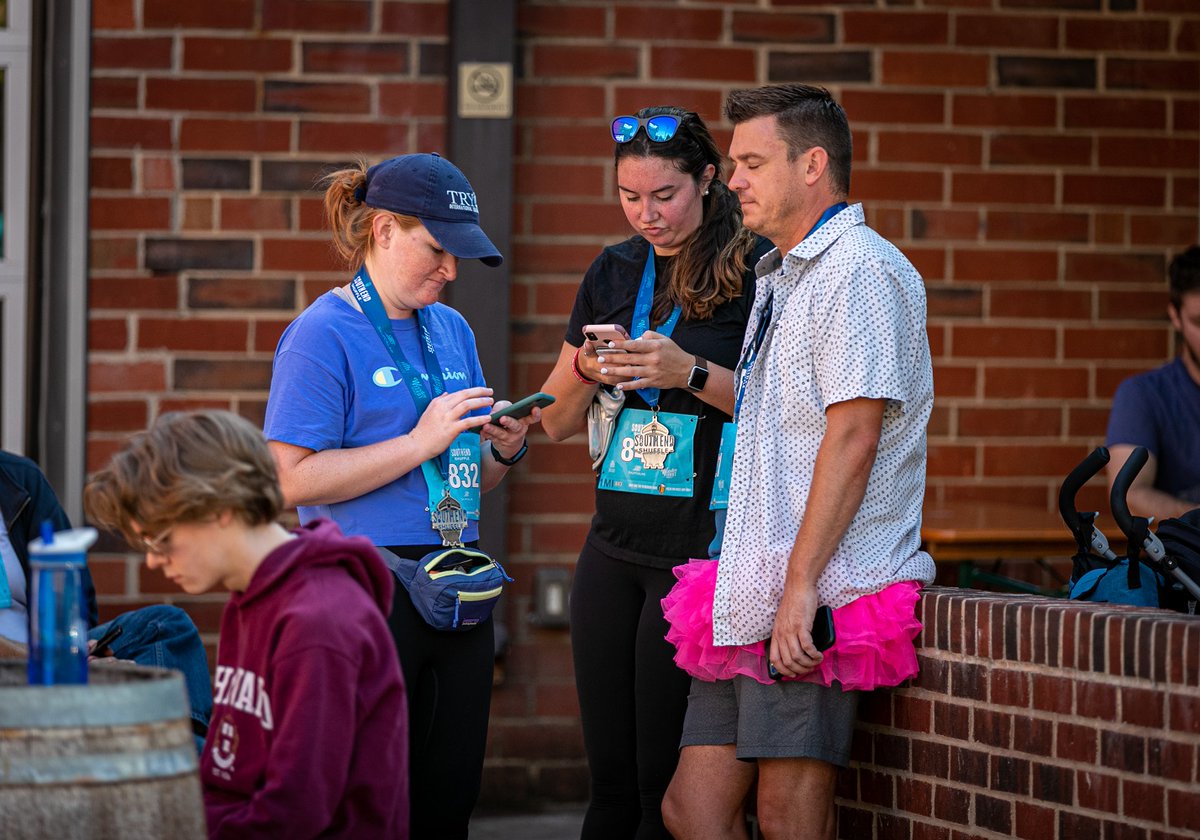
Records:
x=1164, y=576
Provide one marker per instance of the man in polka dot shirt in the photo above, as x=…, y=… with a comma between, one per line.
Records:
x=834, y=393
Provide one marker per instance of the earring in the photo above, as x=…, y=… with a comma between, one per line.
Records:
x=706, y=190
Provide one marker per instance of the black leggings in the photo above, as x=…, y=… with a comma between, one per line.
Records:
x=631, y=696
x=449, y=680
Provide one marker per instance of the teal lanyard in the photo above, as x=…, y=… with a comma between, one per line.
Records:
x=368, y=298
x=641, y=318
x=750, y=354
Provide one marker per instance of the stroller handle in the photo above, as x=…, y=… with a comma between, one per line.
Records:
x=1078, y=477
x=1135, y=528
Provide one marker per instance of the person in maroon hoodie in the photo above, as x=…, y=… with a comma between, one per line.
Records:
x=309, y=727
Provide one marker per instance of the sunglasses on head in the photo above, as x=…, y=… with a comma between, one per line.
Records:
x=659, y=129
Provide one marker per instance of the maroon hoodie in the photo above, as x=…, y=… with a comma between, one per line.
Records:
x=309, y=731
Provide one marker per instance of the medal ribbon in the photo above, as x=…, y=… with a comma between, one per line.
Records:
x=641, y=318
x=750, y=354
x=368, y=298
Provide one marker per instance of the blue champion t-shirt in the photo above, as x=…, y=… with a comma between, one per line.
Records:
x=334, y=386
x=1160, y=410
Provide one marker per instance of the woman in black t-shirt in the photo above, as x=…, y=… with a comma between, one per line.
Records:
x=682, y=288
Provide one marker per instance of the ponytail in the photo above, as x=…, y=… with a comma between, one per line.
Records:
x=348, y=216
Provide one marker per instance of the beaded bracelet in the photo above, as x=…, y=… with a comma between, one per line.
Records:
x=576, y=371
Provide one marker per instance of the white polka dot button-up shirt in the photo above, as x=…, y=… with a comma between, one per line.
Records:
x=848, y=321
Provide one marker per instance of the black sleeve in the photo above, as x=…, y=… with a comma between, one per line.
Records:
x=581, y=312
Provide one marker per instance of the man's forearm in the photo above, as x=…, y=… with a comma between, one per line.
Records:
x=840, y=476
x=839, y=484
x=1146, y=501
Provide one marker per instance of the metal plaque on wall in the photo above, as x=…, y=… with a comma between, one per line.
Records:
x=485, y=89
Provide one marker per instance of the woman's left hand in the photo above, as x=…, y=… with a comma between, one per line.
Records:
x=509, y=436
x=654, y=361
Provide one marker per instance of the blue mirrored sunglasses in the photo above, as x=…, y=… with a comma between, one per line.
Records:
x=659, y=129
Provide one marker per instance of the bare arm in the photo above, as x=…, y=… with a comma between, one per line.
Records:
x=843, y=466
x=568, y=415
x=1143, y=498
x=655, y=361
x=335, y=475
x=507, y=439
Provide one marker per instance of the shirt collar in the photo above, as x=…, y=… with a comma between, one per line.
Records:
x=813, y=245
x=828, y=233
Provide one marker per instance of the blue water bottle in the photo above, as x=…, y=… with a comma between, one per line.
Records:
x=57, y=620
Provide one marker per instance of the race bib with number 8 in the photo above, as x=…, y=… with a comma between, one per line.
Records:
x=625, y=471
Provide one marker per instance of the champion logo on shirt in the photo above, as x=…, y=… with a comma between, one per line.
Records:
x=386, y=377
x=462, y=201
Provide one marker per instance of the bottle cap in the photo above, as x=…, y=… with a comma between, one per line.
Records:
x=75, y=541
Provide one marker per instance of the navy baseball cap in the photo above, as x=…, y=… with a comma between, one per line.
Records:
x=435, y=191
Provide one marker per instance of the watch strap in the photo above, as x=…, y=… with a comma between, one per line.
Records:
x=698, y=377
x=508, y=462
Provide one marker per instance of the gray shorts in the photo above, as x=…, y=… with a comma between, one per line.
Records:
x=781, y=720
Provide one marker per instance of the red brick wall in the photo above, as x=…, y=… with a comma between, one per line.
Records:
x=1033, y=718
x=1038, y=162
x=210, y=123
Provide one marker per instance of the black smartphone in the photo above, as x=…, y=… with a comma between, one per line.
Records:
x=522, y=407
x=823, y=636
x=110, y=636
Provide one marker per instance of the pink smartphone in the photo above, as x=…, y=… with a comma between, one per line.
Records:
x=601, y=334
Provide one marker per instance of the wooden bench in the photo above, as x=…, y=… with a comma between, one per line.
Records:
x=981, y=537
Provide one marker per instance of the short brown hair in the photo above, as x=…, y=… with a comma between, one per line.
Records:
x=807, y=116
x=1184, y=273
x=187, y=467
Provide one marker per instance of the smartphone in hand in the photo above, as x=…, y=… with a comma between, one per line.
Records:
x=522, y=407
x=823, y=636
x=601, y=334
x=110, y=636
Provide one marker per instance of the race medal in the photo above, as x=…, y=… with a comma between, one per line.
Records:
x=651, y=453
x=449, y=519
x=653, y=444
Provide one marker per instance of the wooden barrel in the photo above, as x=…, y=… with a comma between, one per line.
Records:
x=111, y=759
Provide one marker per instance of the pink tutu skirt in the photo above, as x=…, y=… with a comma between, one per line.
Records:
x=873, y=647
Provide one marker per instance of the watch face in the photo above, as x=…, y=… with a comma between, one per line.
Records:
x=698, y=378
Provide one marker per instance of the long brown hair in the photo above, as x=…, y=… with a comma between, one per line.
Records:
x=708, y=269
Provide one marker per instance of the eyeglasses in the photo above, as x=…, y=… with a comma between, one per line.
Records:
x=659, y=129
x=160, y=545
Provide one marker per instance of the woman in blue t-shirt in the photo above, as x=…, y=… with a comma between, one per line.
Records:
x=378, y=415
x=682, y=288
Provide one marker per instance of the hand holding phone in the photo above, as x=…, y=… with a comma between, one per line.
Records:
x=823, y=636
x=522, y=407
x=110, y=636
x=601, y=334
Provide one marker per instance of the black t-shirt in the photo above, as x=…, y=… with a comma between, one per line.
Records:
x=662, y=531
